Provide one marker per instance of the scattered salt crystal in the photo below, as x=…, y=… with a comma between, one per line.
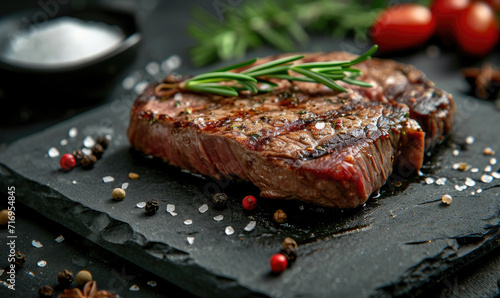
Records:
x=152, y=283
x=456, y=166
x=420, y=173
x=218, y=217
x=173, y=213
x=441, y=181
x=59, y=239
x=2, y=271
x=109, y=137
x=473, y=193
x=88, y=142
x=429, y=180
x=128, y=83
x=460, y=188
x=474, y=170
x=469, y=182
x=74, y=182
x=190, y=240
x=479, y=191
x=456, y=152
x=141, y=205
x=320, y=125
x=486, y=178
x=493, y=161
x=301, y=207
x=188, y=222
x=469, y=140
x=125, y=185
x=31, y=273
x=134, y=288
x=140, y=87
x=153, y=68
x=172, y=63
x=203, y=208
x=250, y=226
x=42, y=263
x=229, y=230
x=53, y=152
x=73, y=132
x=170, y=207
x=87, y=151
x=36, y=244
x=107, y=179
x=495, y=175
x=487, y=169
x=63, y=142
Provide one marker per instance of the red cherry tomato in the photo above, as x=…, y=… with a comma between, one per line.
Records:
x=403, y=26
x=476, y=29
x=446, y=13
x=278, y=263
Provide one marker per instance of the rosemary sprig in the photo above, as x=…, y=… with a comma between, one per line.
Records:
x=226, y=83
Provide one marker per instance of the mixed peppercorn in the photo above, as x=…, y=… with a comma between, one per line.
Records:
x=78, y=158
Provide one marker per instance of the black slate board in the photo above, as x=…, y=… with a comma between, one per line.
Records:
x=398, y=243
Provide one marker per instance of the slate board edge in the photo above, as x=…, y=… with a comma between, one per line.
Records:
x=34, y=194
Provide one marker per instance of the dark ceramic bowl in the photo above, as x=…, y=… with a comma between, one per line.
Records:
x=89, y=79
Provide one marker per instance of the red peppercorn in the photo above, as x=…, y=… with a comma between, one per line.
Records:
x=249, y=202
x=67, y=162
x=278, y=263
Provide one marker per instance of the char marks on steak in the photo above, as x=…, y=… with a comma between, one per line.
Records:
x=303, y=140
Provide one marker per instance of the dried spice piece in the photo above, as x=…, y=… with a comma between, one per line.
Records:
x=78, y=154
x=97, y=151
x=290, y=255
x=46, y=291
x=118, y=194
x=133, y=176
x=4, y=217
x=152, y=206
x=289, y=243
x=279, y=216
x=89, y=291
x=220, y=200
x=83, y=277
x=103, y=141
x=484, y=81
x=88, y=161
x=65, y=278
x=19, y=259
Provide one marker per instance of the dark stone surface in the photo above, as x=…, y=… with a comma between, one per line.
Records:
x=399, y=243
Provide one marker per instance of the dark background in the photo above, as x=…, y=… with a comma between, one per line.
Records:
x=163, y=28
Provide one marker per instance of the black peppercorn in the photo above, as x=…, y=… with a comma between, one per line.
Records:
x=19, y=259
x=103, y=141
x=220, y=200
x=152, y=206
x=46, y=291
x=78, y=154
x=97, y=150
x=65, y=278
x=290, y=255
x=88, y=161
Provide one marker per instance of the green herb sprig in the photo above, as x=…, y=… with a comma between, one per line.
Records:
x=226, y=83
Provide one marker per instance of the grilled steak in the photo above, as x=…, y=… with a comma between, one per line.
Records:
x=303, y=140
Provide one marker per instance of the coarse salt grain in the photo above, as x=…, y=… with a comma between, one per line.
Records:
x=469, y=182
x=447, y=199
x=42, y=263
x=31, y=273
x=73, y=132
x=487, y=169
x=320, y=125
x=152, y=283
x=488, y=151
x=141, y=205
x=456, y=152
x=125, y=185
x=493, y=161
x=87, y=151
x=460, y=188
x=188, y=222
x=456, y=166
x=429, y=180
x=88, y=142
x=474, y=170
x=441, y=181
x=479, y=191
x=218, y=217
x=108, y=179
x=190, y=240
x=170, y=207
x=59, y=239
x=74, y=182
x=36, y=244
x=250, y=226
x=153, y=68
x=469, y=140
x=229, y=230
x=486, y=178
x=173, y=213
x=53, y=152
x=63, y=142
x=203, y=208
x=495, y=175
x=134, y=288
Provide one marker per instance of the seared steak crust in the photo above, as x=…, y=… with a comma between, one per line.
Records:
x=303, y=140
